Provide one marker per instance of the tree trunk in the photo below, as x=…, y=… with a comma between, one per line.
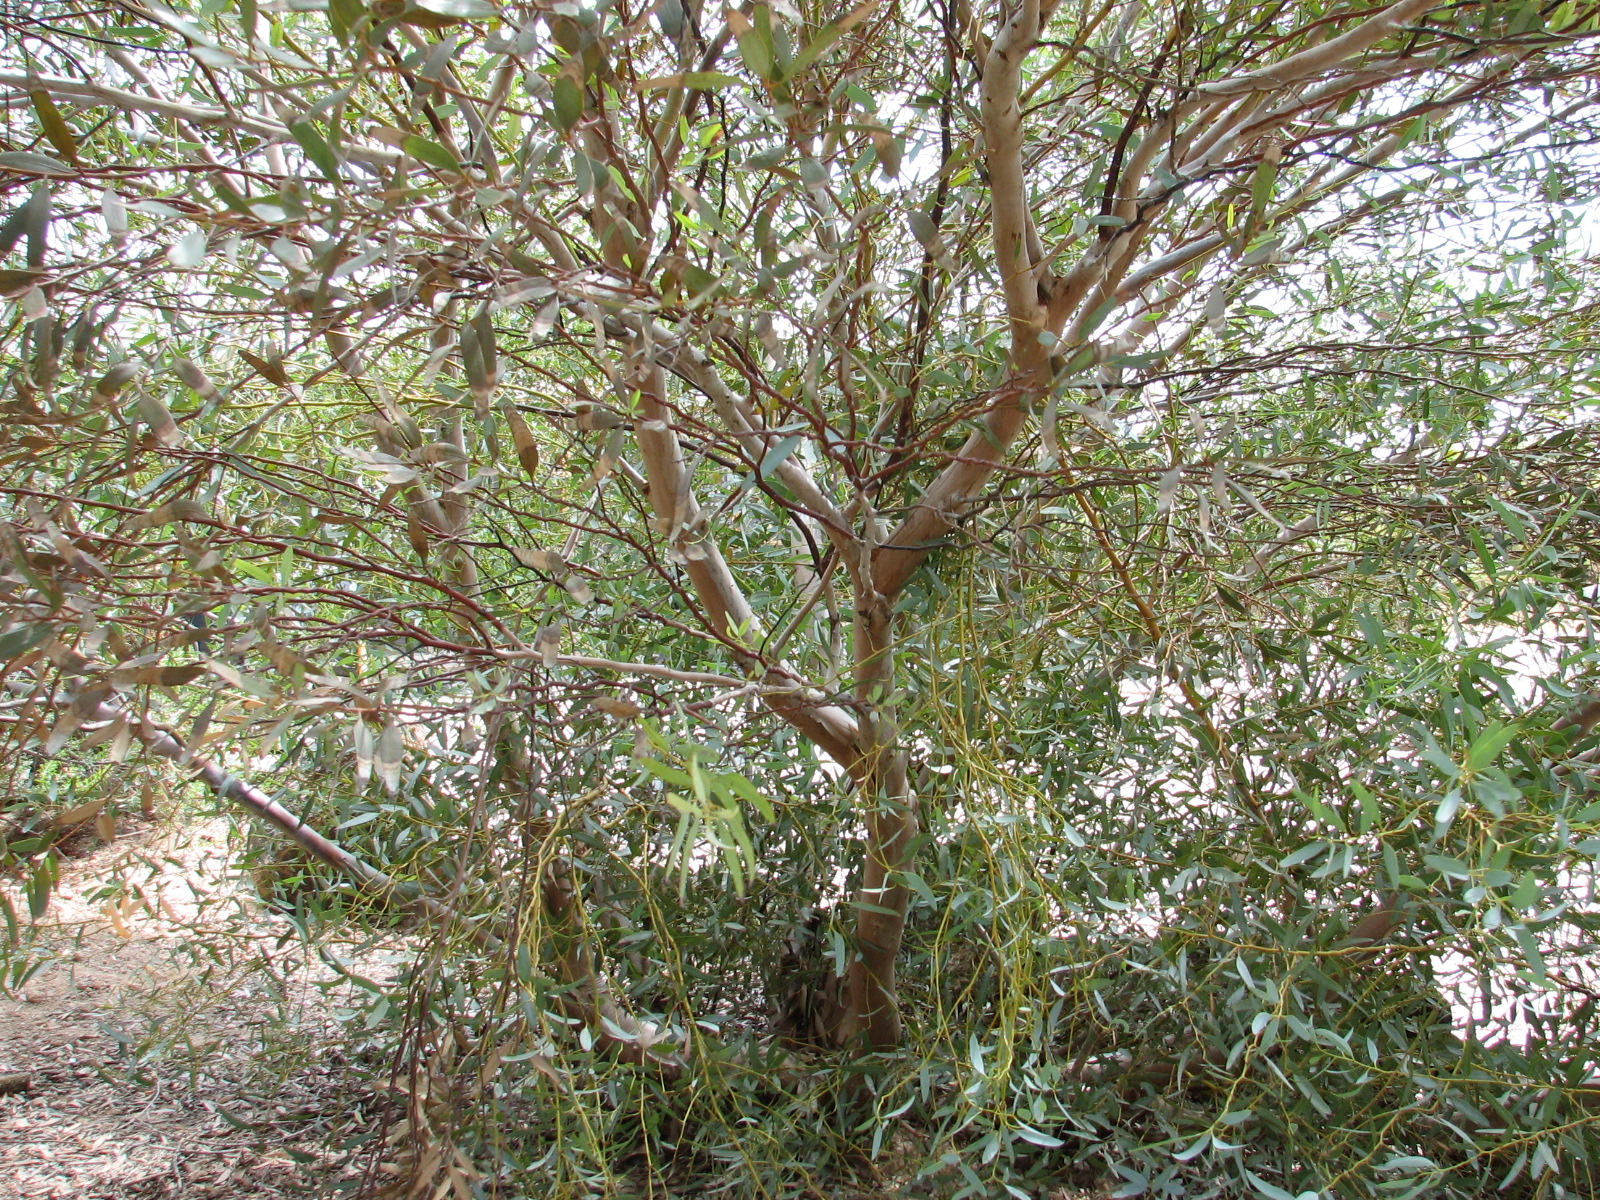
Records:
x=871, y=1014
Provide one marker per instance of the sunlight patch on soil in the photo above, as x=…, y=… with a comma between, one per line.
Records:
x=159, y=1065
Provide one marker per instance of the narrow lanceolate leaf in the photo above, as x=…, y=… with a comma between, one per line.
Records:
x=64, y=728
x=544, y=321
x=284, y=660
x=54, y=125
x=435, y=155
x=159, y=418
x=35, y=304
x=344, y=352
x=480, y=360
x=417, y=535
x=157, y=676
x=26, y=162
x=316, y=148
x=777, y=454
x=1265, y=178
x=195, y=378
x=36, y=223
x=756, y=51
x=16, y=282
x=11, y=229
x=704, y=81
x=115, y=215
x=522, y=439
x=441, y=452
x=548, y=643
x=453, y=10
x=487, y=350
x=826, y=37
x=19, y=641
x=568, y=96
x=888, y=148
x=172, y=511
x=114, y=380
x=1488, y=745
x=390, y=756
x=188, y=251
x=363, y=743
x=343, y=16
x=269, y=369
x=539, y=560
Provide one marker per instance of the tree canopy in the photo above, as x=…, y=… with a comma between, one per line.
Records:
x=972, y=596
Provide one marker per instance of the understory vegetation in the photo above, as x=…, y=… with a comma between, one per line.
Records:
x=942, y=600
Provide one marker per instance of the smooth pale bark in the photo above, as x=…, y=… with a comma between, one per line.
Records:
x=872, y=1010
x=1326, y=57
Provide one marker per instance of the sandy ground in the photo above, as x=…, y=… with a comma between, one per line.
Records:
x=158, y=1066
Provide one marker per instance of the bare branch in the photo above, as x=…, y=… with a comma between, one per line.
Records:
x=1325, y=57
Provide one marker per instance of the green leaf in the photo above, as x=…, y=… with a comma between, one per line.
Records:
x=189, y=250
x=699, y=283
x=1303, y=855
x=19, y=641
x=1038, y=1138
x=747, y=791
x=1408, y=1164
x=1449, y=806
x=1528, y=893
x=431, y=153
x=1530, y=952
x=703, y=81
x=665, y=773
x=54, y=124
x=1270, y=1190
x=15, y=282
x=826, y=37
x=755, y=49
x=568, y=93
x=318, y=150
x=36, y=220
x=1261, y=185
x=41, y=882
x=1370, y=812
x=1321, y=811
x=777, y=453
x=1488, y=744
x=344, y=15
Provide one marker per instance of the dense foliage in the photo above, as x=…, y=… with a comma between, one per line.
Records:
x=966, y=598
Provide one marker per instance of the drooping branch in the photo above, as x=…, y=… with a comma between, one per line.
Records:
x=587, y=996
x=78, y=90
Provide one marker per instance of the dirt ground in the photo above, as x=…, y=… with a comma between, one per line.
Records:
x=177, y=1039
x=153, y=1069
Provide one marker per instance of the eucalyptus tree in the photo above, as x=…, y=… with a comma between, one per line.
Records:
x=1079, y=478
